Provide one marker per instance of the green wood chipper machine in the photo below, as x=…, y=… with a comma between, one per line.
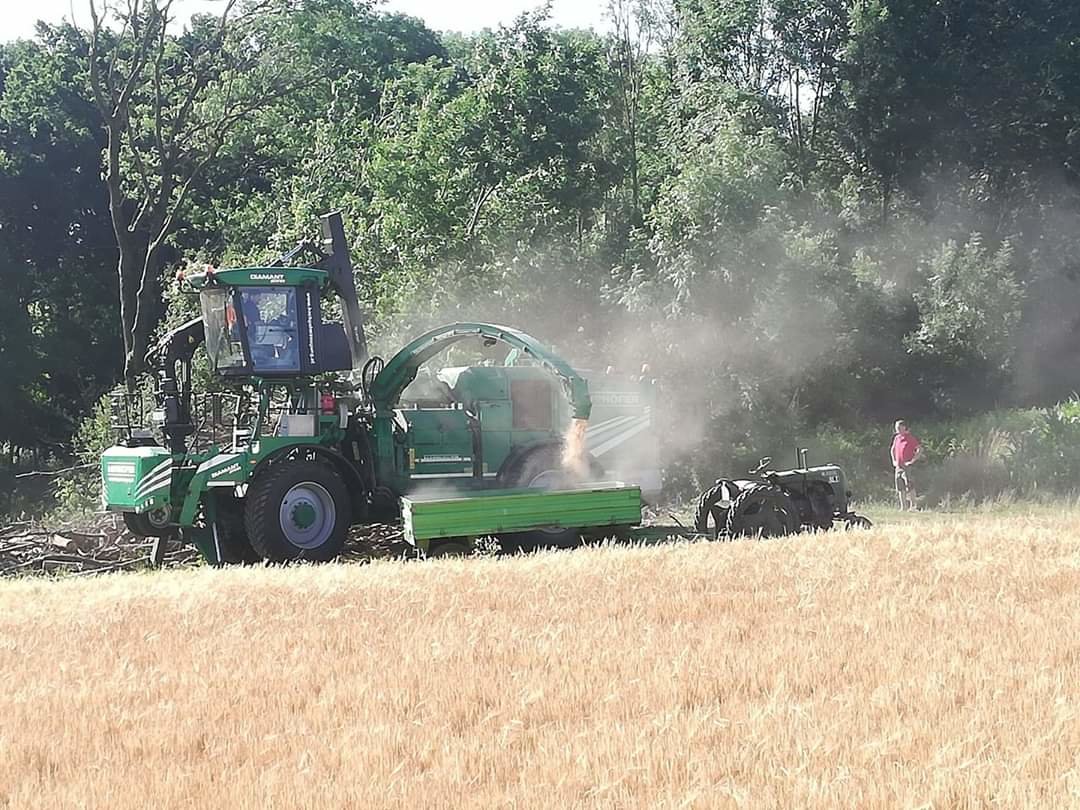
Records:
x=309, y=434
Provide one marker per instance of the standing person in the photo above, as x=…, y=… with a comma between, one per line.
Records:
x=905, y=450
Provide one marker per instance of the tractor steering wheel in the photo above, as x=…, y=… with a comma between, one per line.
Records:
x=765, y=462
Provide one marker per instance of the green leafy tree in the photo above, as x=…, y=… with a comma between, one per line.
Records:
x=59, y=346
x=969, y=308
x=168, y=106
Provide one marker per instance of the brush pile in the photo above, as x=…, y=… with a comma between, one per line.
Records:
x=102, y=543
x=96, y=545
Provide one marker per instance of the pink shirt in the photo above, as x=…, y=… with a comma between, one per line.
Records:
x=904, y=446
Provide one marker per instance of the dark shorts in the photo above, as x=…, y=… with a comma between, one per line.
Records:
x=903, y=480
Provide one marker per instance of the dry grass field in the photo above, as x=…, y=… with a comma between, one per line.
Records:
x=932, y=663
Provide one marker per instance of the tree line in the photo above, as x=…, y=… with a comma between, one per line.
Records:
x=797, y=212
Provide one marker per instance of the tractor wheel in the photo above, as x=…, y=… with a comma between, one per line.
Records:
x=542, y=469
x=858, y=522
x=709, y=508
x=763, y=511
x=232, y=535
x=297, y=510
x=154, y=523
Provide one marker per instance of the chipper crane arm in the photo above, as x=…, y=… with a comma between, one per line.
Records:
x=337, y=262
x=401, y=369
x=170, y=359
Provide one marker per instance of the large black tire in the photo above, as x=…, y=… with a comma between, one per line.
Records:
x=542, y=469
x=709, y=517
x=297, y=510
x=144, y=525
x=232, y=534
x=762, y=511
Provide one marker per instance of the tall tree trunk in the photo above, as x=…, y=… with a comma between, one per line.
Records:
x=635, y=182
x=146, y=298
x=127, y=269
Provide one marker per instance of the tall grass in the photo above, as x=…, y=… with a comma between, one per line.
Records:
x=933, y=664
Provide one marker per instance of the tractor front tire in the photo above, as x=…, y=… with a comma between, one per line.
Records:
x=708, y=507
x=297, y=510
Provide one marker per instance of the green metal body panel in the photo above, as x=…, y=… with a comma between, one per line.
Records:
x=229, y=468
x=136, y=479
x=438, y=443
x=519, y=510
x=464, y=412
x=478, y=383
x=521, y=405
x=259, y=277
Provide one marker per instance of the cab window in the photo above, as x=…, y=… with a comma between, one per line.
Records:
x=223, y=343
x=272, y=330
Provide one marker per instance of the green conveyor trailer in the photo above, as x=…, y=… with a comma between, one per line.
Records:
x=596, y=509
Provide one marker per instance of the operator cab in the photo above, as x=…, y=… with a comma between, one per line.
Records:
x=270, y=330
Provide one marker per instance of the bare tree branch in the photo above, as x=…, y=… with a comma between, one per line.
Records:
x=474, y=220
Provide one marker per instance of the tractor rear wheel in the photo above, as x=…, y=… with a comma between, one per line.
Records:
x=297, y=510
x=542, y=469
x=710, y=516
x=762, y=511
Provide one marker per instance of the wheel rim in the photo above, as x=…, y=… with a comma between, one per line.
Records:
x=158, y=518
x=548, y=479
x=307, y=515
